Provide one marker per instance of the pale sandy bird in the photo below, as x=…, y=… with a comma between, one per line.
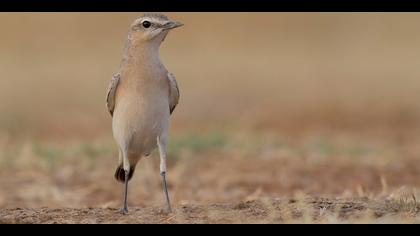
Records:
x=141, y=97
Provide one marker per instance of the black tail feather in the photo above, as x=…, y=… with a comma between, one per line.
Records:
x=120, y=173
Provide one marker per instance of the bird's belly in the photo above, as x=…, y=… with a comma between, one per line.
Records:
x=137, y=124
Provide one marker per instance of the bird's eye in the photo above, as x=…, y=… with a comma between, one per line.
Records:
x=146, y=24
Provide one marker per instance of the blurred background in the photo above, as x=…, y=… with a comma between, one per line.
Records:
x=272, y=104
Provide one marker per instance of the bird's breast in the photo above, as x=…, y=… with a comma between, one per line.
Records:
x=141, y=114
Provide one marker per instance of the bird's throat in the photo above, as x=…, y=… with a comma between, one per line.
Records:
x=136, y=52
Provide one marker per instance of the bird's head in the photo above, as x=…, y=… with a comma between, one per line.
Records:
x=152, y=27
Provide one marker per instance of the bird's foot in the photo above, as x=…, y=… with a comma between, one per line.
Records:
x=168, y=210
x=124, y=211
x=165, y=211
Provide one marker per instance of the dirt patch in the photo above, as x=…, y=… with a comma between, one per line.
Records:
x=321, y=210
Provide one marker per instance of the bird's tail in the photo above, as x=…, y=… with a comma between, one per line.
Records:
x=120, y=173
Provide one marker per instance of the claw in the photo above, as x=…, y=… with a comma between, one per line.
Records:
x=124, y=211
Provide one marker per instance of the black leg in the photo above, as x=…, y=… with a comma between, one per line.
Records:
x=124, y=210
x=165, y=187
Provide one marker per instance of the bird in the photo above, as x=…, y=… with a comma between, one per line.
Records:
x=141, y=98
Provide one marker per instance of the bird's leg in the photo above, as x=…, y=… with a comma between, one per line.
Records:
x=124, y=209
x=165, y=187
x=126, y=167
x=162, y=152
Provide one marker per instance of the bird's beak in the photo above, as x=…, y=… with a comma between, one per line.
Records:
x=172, y=25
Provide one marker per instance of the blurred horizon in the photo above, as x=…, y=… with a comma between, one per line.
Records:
x=274, y=72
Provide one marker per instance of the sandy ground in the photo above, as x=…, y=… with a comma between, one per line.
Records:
x=262, y=211
x=316, y=180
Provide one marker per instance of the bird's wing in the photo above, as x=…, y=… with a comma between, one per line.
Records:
x=110, y=96
x=173, y=92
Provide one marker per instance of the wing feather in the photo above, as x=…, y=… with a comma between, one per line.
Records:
x=173, y=92
x=110, y=96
